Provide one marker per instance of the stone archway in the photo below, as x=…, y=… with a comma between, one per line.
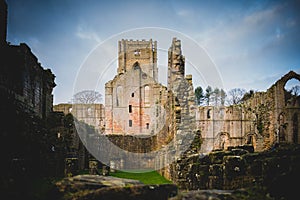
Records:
x=250, y=139
x=281, y=128
x=292, y=92
x=288, y=98
x=222, y=141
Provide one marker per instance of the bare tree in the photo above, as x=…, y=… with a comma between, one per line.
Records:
x=235, y=96
x=87, y=97
x=295, y=90
x=223, y=96
x=216, y=96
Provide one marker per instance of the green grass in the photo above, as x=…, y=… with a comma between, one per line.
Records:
x=152, y=177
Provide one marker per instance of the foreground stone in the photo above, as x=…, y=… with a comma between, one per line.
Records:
x=94, y=187
x=241, y=194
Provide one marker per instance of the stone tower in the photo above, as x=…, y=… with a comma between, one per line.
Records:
x=3, y=22
x=142, y=52
x=133, y=98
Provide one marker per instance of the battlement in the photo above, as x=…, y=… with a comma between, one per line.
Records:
x=125, y=44
x=138, y=52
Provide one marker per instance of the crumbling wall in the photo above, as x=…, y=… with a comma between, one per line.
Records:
x=263, y=120
x=277, y=113
x=91, y=114
x=225, y=126
x=182, y=111
x=237, y=167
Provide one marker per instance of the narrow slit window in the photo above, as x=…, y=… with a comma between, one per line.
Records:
x=147, y=94
x=130, y=108
x=132, y=94
x=208, y=114
x=130, y=123
x=147, y=125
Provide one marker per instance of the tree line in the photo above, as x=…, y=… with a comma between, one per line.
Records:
x=218, y=97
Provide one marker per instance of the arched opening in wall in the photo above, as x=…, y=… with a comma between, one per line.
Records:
x=147, y=95
x=208, y=114
x=119, y=94
x=136, y=66
x=222, y=141
x=295, y=128
x=89, y=111
x=281, y=129
x=251, y=139
x=292, y=92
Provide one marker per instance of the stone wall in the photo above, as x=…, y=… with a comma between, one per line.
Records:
x=22, y=75
x=181, y=113
x=91, y=114
x=262, y=120
x=225, y=126
x=277, y=113
x=238, y=167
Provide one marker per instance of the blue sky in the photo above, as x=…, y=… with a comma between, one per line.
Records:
x=252, y=43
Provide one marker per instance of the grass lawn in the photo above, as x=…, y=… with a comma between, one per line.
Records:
x=152, y=177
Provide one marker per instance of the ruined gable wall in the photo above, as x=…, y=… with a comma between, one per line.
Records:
x=275, y=113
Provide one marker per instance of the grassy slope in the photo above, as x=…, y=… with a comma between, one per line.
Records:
x=152, y=177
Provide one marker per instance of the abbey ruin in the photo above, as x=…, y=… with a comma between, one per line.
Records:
x=141, y=115
x=151, y=126
x=137, y=104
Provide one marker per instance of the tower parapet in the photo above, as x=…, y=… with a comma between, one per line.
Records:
x=138, y=52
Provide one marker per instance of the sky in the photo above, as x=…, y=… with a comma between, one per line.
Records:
x=252, y=44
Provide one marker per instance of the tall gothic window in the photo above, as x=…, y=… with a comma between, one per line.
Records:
x=147, y=94
x=119, y=94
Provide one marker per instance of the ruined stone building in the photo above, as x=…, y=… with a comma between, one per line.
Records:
x=21, y=75
x=262, y=120
x=91, y=114
x=134, y=99
x=137, y=105
x=26, y=105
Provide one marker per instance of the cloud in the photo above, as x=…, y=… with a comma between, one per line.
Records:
x=256, y=43
x=183, y=13
x=87, y=34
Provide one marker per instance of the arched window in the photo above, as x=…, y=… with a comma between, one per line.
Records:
x=89, y=111
x=292, y=92
x=208, y=114
x=147, y=94
x=136, y=66
x=119, y=94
